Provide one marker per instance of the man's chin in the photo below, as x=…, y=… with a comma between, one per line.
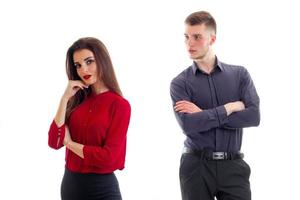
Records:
x=193, y=57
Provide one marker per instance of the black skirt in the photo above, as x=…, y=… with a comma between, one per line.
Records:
x=91, y=186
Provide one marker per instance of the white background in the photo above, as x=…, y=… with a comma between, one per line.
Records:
x=145, y=40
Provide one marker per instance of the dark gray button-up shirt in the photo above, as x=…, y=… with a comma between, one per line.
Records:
x=211, y=129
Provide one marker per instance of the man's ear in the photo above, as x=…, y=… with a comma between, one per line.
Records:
x=212, y=38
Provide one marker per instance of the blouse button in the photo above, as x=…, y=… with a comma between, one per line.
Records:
x=90, y=110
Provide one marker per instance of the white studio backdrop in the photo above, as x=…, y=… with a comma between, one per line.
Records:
x=146, y=43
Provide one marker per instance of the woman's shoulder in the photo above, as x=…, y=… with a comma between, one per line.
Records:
x=117, y=99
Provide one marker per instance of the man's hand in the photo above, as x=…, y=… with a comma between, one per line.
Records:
x=186, y=107
x=234, y=107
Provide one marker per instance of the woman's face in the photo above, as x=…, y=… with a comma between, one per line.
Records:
x=86, y=66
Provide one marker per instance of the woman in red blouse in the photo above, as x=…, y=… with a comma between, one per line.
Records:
x=91, y=121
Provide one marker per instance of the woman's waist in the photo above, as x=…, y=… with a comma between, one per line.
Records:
x=77, y=165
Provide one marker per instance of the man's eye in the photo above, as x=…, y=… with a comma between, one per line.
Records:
x=186, y=37
x=197, y=37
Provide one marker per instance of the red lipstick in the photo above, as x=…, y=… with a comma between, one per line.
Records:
x=86, y=77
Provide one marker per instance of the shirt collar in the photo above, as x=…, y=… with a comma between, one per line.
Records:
x=196, y=69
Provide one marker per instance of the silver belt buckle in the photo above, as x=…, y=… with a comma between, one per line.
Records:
x=219, y=155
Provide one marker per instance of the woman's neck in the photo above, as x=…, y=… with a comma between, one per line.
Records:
x=99, y=87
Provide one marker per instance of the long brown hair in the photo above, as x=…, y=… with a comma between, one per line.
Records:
x=104, y=67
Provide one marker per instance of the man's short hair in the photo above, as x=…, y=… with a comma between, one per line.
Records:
x=202, y=17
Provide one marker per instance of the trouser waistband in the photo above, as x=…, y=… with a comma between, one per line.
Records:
x=210, y=155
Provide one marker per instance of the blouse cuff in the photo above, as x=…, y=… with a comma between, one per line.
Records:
x=56, y=135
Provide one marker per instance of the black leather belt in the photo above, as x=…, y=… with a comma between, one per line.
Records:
x=209, y=155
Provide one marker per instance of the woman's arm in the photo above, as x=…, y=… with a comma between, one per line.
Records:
x=72, y=88
x=56, y=132
x=115, y=141
x=73, y=146
x=61, y=112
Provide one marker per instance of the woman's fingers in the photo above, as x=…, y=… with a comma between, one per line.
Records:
x=79, y=84
x=73, y=87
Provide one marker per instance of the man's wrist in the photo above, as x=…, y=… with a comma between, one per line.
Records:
x=229, y=108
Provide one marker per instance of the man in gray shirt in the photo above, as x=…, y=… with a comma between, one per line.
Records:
x=213, y=102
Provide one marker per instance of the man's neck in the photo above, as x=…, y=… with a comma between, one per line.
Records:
x=207, y=63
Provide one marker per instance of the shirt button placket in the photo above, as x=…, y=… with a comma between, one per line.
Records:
x=87, y=119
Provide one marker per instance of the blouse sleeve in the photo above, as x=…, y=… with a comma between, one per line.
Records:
x=56, y=136
x=112, y=153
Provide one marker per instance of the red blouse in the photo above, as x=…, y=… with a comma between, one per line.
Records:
x=100, y=123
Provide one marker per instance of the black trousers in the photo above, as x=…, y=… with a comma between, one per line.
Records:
x=202, y=179
x=77, y=186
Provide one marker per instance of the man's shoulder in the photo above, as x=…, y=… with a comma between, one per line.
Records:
x=234, y=67
x=183, y=75
x=238, y=71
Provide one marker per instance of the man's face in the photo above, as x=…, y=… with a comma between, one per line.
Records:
x=198, y=40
